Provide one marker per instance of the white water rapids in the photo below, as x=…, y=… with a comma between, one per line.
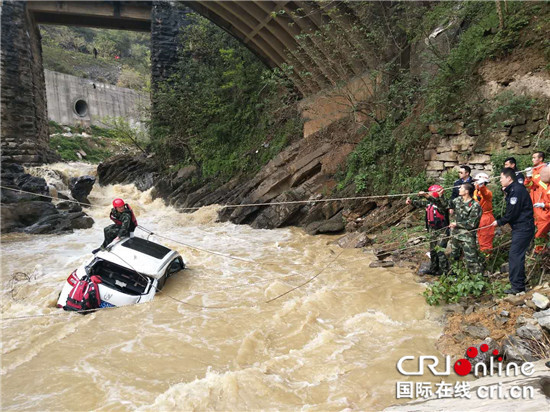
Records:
x=330, y=345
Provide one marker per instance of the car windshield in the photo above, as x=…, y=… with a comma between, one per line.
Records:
x=119, y=278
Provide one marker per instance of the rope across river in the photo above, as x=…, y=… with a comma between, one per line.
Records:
x=310, y=279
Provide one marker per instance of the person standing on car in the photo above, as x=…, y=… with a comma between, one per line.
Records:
x=125, y=223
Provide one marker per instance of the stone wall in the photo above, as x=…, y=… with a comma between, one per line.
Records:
x=23, y=103
x=76, y=101
x=457, y=143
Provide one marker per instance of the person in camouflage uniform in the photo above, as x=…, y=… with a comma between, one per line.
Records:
x=124, y=223
x=467, y=215
x=437, y=231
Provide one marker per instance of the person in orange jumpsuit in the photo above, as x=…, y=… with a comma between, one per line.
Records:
x=484, y=197
x=537, y=190
x=545, y=206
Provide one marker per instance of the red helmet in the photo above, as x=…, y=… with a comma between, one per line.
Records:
x=434, y=190
x=118, y=203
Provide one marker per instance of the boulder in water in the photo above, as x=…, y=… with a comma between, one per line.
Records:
x=81, y=187
x=128, y=169
x=20, y=215
x=69, y=206
x=334, y=225
x=13, y=176
x=60, y=223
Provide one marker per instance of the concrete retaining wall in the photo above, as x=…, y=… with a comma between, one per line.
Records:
x=73, y=100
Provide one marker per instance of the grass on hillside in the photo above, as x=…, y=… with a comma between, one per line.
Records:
x=97, y=142
x=80, y=64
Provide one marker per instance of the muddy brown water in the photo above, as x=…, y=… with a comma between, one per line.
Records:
x=330, y=345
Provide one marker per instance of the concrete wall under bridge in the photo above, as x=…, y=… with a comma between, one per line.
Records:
x=76, y=101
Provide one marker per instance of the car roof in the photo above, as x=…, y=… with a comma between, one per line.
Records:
x=140, y=255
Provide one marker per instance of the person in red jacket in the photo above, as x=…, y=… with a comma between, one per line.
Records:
x=537, y=190
x=484, y=197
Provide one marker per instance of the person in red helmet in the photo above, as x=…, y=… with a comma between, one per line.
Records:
x=125, y=223
x=437, y=222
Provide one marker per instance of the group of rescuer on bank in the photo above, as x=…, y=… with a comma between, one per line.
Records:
x=467, y=218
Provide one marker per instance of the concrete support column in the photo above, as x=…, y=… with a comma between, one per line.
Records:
x=166, y=20
x=24, y=111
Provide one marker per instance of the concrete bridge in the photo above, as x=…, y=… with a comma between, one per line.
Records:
x=281, y=33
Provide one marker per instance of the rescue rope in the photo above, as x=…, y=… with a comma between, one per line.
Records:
x=428, y=241
x=335, y=259
x=169, y=296
x=233, y=206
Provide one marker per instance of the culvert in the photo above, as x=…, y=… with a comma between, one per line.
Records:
x=81, y=107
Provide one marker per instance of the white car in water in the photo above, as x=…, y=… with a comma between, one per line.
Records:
x=131, y=271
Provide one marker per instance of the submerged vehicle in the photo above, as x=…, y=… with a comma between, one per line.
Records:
x=130, y=271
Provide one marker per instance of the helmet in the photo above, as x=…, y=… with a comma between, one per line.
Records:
x=118, y=203
x=434, y=188
x=482, y=178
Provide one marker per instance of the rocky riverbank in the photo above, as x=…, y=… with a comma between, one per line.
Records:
x=32, y=210
x=303, y=171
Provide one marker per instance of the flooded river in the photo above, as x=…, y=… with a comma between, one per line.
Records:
x=330, y=345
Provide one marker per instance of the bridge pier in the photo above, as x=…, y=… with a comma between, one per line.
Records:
x=24, y=111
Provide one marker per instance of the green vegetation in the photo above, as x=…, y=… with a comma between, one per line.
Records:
x=388, y=157
x=509, y=107
x=460, y=284
x=121, y=130
x=68, y=147
x=97, y=143
x=70, y=50
x=222, y=110
x=456, y=79
x=384, y=161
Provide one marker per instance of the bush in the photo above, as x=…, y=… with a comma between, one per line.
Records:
x=67, y=147
x=456, y=79
x=460, y=284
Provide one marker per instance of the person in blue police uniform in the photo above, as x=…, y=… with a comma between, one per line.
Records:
x=519, y=215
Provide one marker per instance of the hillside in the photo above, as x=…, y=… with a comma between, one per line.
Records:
x=122, y=58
